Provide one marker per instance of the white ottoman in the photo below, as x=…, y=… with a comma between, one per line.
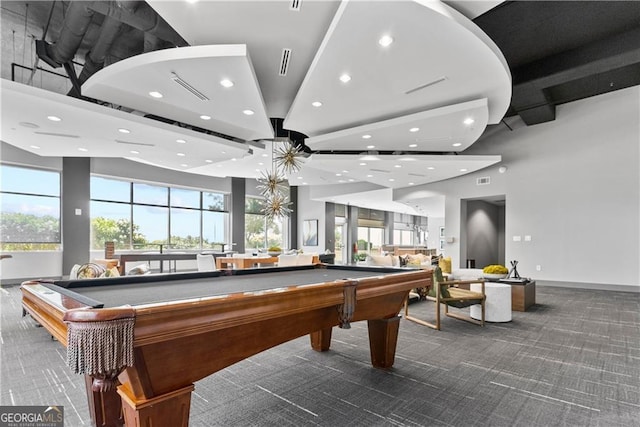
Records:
x=498, y=304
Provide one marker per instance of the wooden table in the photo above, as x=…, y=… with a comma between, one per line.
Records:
x=244, y=262
x=172, y=330
x=523, y=295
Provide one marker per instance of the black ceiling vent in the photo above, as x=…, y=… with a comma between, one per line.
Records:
x=284, y=62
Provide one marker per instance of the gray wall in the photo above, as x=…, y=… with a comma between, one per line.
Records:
x=573, y=185
x=75, y=218
x=483, y=233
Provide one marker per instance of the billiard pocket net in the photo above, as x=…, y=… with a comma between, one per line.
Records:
x=100, y=347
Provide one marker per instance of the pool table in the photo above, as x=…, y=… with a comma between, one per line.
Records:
x=142, y=341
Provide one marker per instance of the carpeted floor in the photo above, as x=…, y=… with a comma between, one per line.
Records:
x=572, y=360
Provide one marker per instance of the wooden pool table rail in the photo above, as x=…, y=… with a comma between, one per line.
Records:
x=178, y=343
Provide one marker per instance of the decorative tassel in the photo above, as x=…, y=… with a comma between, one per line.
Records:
x=99, y=347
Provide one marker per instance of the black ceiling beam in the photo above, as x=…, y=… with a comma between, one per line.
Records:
x=531, y=83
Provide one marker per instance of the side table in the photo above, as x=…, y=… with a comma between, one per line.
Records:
x=497, y=305
x=523, y=295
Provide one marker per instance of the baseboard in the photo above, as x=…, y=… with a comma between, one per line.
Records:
x=590, y=286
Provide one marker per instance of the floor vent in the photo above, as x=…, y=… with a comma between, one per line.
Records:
x=485, y=180
x=295, y=5
x=284, y=61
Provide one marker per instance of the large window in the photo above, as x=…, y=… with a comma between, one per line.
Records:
x=370, y=239
x=261, y=231
x=30, y=209
x=150, y=217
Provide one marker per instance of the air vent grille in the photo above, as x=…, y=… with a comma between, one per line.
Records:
x=119, y=141
x=426, y=85
x=485, y=180
x=192, y=90
x=284, y=61
x=62, y=135
x=295, y=5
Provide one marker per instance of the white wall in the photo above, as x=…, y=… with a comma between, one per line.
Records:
x=573, y=185
x=310, y=209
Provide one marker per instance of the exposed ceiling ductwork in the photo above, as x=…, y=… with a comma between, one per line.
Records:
x=117, y=18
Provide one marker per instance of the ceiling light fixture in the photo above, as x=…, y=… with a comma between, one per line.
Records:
x=413, y=145
x=181, y=154
x=369, y=147
x=155, y=94
x=184, y=165
x=463, y=170
x=226, y=83
x=468, y=121
x=457, y=144
x=205, y=117
x=123, y=130
x=134, y=152
x=209, y=161
x=54, y=118
x=35, y=147
x=248, y=112
x=345, y=78
x=316, y=104
x=181, y=141
x=414, y=129
x=385, y=40
x=367, y=136
x=84, y=150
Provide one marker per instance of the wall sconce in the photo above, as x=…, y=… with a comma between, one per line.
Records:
x=502, y=169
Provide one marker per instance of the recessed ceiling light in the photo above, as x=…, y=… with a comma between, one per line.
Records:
x=411, y=183
x=413, y=145
x=184, y=165
x=457, y=144
x=363, y=164
x=367, y=136
x=226, y=83
x=209, y=161
x=123, y=130
x=351, y=179
x=345, y=78
x=391, y=179
x=463, y=170
x=316, y=104
x=248, y=112
x=371, y=147
x=385, y=40
x=338, y=174
x=345, y=171
x=342, y=181
x=414, y=129
x=369, y=176
x=54, y=118
x=155, y=94
x=397, y=166
x=35, y=147
x=204, y=117
x=181, y=141
x=181, y=154
x=84, y=150
x=261, y=164
x=134, y=152
x=468, y=121
x=431, y=168
x=300, y=177
x=234, y=159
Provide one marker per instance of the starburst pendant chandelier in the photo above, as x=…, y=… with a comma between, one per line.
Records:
x=272, y=184
x=289, y=158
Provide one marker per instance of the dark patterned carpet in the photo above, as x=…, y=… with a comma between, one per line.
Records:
x=572, y=360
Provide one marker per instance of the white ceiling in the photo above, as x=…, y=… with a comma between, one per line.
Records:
x=439, y=70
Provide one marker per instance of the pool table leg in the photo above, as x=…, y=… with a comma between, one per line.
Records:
x=321, y=340
x=383, y=337
x=105, y=407
x=169, y=409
